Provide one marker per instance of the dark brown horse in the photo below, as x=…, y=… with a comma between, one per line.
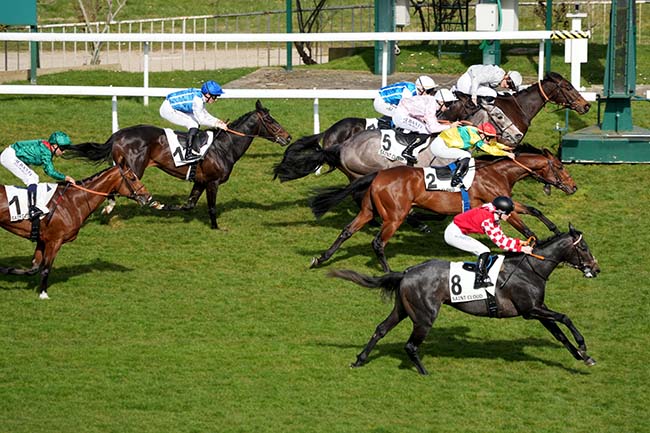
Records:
x=139, y=147
x=421, y=290
x=348, y=146
x=393, y=192
x=68, y=209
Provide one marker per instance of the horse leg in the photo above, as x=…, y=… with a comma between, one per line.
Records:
x=414, y=221
x=548, y=318
x=394, y=318
x=520, y=226
x=110, y=205
x=211, y=195
x=193, y=198
x=364, y=216
x=388, y=229
x=420, y=331
x=48, y=259
x=540, y=216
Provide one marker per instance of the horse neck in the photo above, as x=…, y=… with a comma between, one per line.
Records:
x=530, y=101
x=236, y=145
x=106, y=183
x=554, y=251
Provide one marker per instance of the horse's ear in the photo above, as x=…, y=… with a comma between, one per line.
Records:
x=258, y=105
x=572, y=229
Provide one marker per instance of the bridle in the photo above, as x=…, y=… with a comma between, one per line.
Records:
x=272, y=127
x=558, y=88
x=133, y=189
x=558, y=179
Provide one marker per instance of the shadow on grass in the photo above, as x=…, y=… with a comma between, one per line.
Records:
x=59, y=274
x=454, y=342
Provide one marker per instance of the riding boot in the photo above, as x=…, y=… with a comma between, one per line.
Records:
x=462, y=165
x=34, y=212
x=408, y=153
x=192, y=146
x=482, y=279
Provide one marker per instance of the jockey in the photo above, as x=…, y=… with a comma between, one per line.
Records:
x=390, y=95
x=481, y=80
x=20, y=155
x=457, y=142
x=418, y=114
x=187, y=108
x=484, y=220
x=444, y=97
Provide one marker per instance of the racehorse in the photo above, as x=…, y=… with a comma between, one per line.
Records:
x=142, y=146
x=356, y=152
x=421, y=290
x=393, y=192
x=71, y=206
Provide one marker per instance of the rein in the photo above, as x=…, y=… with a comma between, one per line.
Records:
x=558, y=183
x=271, y=128
x=74, y=185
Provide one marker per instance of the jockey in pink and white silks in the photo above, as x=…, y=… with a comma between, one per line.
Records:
x=481, y=80
x=390, y=95
x=187, y=108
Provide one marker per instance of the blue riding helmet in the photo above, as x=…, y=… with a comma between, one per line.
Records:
x=60, y=138
x=211, y=88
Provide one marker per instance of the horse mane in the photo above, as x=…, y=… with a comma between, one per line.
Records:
x=235, y=123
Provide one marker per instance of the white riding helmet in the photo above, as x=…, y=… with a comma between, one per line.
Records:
x=445, y=95
x=425, y=84
x=516, y=79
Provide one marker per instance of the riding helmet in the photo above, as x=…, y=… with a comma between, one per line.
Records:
x=425, y=84
x=504, y=204
x=60, y=139
x=515, y=79
x=487, y=128
x=211, y=88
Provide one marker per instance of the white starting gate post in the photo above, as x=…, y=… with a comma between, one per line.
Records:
x=575, y=50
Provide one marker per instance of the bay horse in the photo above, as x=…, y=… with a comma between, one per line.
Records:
x=142, y=146
x=356, y=150
x=393, y=192
x=69, y=208
x=421, y=290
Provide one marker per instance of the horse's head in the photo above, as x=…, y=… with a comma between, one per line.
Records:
x=579, y=256
x=132, y=187
x=545, y=167
x=269, y=127
x=555, y=88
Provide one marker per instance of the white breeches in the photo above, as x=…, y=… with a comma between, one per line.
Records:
x=441, y=150
x=17, y=167
x=456, y=238
x=177, y=117
x=464, y=85
x=383, y=107
x=401, y=119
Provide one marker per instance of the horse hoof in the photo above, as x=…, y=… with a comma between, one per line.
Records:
x=43, y=295
x=590, y=361
x=157, y=205
x=425, y=229
x=314, y=262
x=356, y=364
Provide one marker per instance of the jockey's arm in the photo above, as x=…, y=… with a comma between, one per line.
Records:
x=201, y=114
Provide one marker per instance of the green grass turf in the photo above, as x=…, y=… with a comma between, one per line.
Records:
x=157, y=323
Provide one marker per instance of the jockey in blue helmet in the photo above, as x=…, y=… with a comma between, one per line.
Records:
x=187, y=108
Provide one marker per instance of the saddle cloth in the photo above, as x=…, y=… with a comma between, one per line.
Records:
x=178, y=151
x=439, y=178
x=461, y=280
x=392, y=145
x=19, y=205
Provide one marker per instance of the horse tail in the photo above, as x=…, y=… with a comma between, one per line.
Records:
x=327, y=198
x=389, y=283
x=94, y=152
x=304, y=157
